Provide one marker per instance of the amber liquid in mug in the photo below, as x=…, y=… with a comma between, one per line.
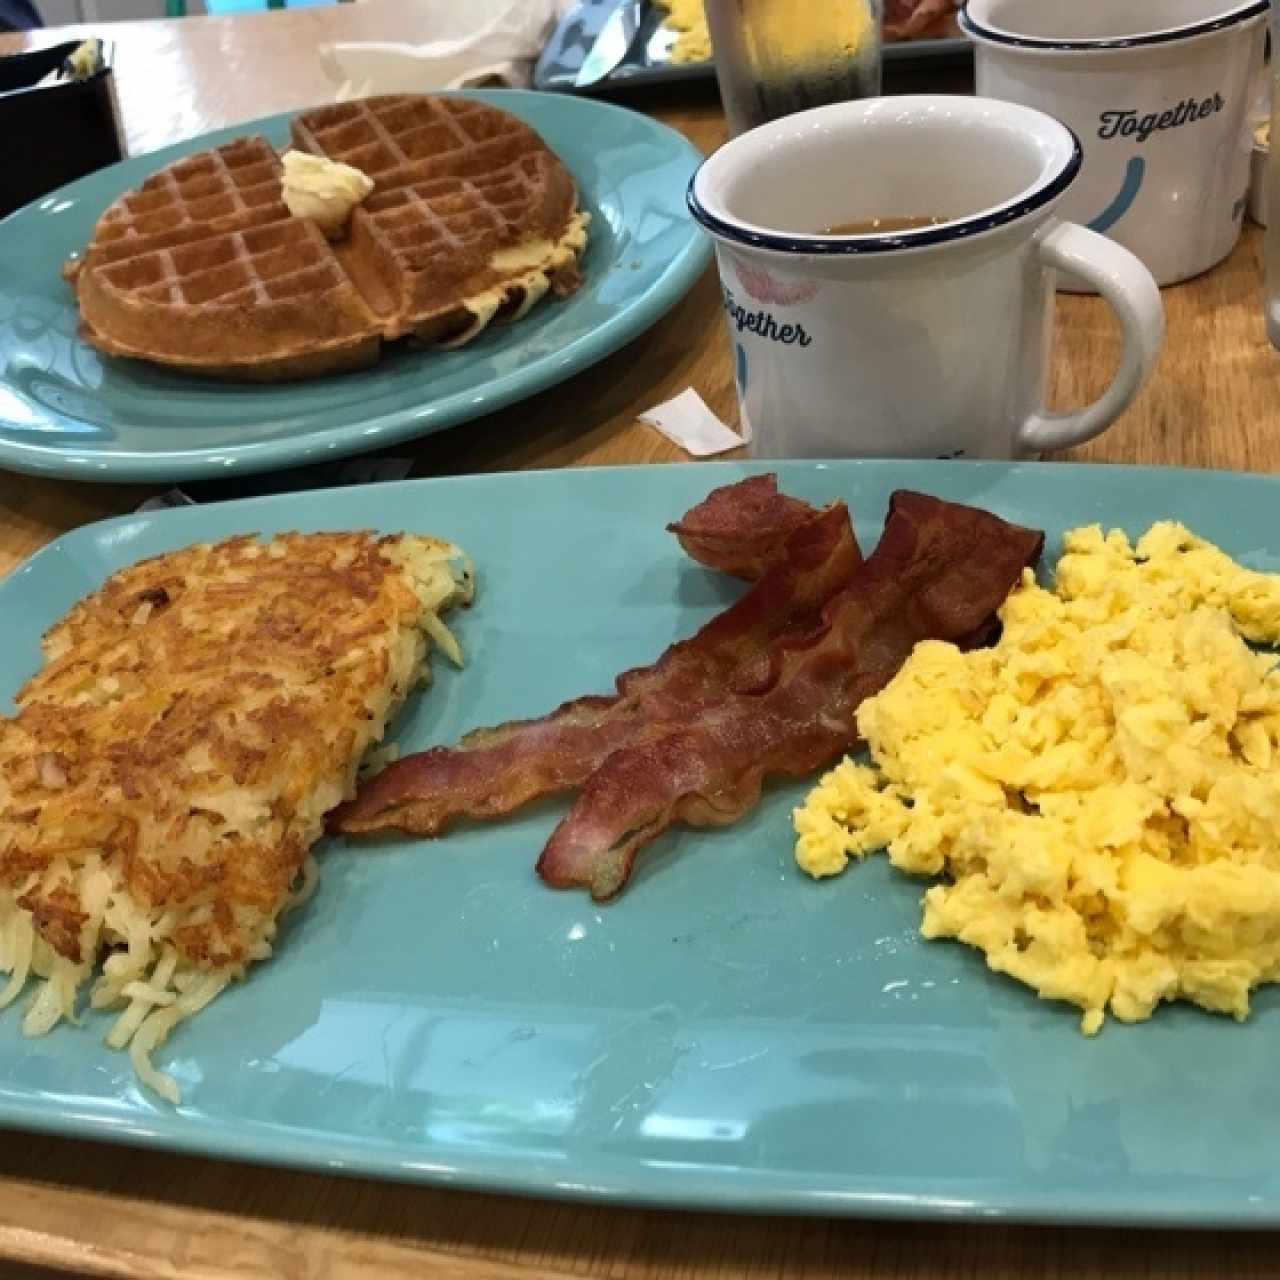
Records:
x=882, y=226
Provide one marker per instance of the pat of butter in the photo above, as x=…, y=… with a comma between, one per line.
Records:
x=323, y=190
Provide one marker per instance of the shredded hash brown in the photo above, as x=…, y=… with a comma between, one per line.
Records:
x=169, y=768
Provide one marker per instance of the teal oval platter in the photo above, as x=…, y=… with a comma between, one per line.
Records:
x=67, y=410
x=727, y=1033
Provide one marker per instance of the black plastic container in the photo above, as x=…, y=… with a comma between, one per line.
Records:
x=55, y=133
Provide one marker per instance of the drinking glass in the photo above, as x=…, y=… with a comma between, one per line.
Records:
x=1271, y=241
x=776, y=57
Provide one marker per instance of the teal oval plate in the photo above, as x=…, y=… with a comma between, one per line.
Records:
x=66, y=410
x=727, y=1033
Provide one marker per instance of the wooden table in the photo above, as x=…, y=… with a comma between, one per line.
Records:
x=104, y=1211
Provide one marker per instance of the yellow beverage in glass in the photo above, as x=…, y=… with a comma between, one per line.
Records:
x=776, y=57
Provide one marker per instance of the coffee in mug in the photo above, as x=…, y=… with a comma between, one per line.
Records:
x=882, y=226
x=925, y=341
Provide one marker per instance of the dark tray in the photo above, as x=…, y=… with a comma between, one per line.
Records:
x=50, y=135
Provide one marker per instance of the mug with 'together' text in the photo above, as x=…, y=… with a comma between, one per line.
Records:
x=888, y=273
x=1160, y=94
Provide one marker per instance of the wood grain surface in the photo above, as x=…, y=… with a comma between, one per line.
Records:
x=96, y=1210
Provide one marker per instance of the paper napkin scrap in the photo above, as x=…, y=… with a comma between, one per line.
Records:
x=686, y=421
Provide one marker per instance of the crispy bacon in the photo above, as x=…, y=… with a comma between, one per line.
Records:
x=940, y=571
x=920, y=19
x=741, y=528
x=494, y=771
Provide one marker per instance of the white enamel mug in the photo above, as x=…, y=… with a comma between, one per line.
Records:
x=1158, y=91
x=921, y=343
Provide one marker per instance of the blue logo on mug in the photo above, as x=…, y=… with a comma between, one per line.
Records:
x=1134, y=172
x=1130, y=124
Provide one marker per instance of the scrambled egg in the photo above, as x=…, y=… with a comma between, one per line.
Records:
x=693, y=44
x=1100, y=792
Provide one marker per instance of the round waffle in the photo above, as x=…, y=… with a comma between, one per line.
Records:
x=472, y=219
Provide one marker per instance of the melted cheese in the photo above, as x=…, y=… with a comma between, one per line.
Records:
x=530, y=267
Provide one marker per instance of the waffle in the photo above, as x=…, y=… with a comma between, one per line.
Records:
x=471, y=221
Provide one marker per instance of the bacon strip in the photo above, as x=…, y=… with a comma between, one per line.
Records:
x=920, y=19
x=940, y=571
x=494, y=771
x=741, y=528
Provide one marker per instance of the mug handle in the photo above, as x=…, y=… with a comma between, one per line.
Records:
x=1128, y=286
